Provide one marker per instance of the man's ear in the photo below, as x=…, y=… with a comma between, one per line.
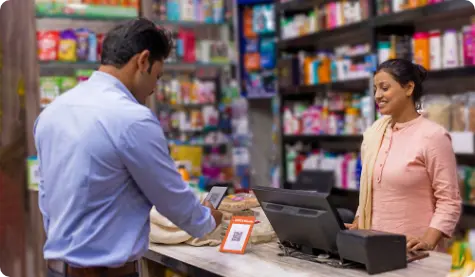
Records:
x=143, y=63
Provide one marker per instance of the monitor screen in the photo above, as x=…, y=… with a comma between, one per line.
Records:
x=305, y=218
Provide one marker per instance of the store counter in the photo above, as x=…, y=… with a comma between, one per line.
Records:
x=263, y=260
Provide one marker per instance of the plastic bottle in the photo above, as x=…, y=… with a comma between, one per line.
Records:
x=287, y=121
x=184, y=173
x=351, y=117
x=290, y=160
x=421, y=49
x=468, y=46
x=473, y=43
x=435, y=42
x=358, y=170
x=384, y=51
x=299, y=160
x=450, y=56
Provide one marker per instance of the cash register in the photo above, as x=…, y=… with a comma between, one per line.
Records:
x=308, y=222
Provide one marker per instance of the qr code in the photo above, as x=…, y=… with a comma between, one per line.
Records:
x=237, y=236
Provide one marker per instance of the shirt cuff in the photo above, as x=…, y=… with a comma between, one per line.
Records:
x=206, y=227
x=444, y=225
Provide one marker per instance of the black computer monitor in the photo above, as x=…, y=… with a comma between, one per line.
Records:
x=304, y=218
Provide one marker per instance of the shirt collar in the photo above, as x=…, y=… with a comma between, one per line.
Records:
x=99, y=76
x=400, y=126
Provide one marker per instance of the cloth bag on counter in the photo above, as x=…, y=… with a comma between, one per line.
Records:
x=163, y=231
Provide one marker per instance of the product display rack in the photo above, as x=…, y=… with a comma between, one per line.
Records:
x=348, y=85
x=248, y=89
x=368, y=30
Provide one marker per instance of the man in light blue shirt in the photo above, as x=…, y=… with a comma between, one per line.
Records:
x=104, y=162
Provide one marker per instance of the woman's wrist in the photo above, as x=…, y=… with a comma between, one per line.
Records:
x=432, y=237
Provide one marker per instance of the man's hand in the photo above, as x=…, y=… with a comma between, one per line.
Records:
x=352, y=226
x=217, y=215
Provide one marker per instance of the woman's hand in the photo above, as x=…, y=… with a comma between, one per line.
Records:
x=352, y=226
x=414, y=244
x=428, y=242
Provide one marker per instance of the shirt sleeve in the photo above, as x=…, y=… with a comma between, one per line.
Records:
x=442, y=168
x=41, y=189
x=144, y=150
x=42, y=199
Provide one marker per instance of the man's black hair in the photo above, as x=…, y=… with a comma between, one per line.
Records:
x=132, y=37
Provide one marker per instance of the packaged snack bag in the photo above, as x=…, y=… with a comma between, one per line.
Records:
x=48, y=45
x=67, y=46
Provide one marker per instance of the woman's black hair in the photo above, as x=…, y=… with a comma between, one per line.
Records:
x=404, y=71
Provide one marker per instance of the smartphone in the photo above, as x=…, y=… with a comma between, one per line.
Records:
x=216, y=195
x=416, y=255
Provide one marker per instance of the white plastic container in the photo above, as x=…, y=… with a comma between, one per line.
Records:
x=450, y=51
x=435, y=42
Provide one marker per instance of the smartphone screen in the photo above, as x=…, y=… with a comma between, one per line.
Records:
x=216, y=195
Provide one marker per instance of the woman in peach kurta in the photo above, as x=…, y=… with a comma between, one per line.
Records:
x=413, y=187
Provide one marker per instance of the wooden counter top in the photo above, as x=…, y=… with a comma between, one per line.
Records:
x=262, y=260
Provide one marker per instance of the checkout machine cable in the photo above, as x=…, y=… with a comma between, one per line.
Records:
x=321, y=259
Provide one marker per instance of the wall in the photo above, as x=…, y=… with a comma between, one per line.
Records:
x=261, y=151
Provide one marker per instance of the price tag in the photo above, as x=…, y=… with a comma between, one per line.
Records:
x=238, y=234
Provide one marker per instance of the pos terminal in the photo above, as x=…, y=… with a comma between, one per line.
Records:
x=307, y=220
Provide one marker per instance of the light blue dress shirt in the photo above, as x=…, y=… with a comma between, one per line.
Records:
x=104, y=162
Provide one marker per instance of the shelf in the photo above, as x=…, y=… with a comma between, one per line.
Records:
x=315, y=138
x=451, y=72
x=197, y=65
x=84, y=11
x=417, y=14
x=298, y=6
x=68, y=65
x=166, y=106
x=189, y=24
x=322, y=38
x=68, y=68
x=468, y=209
x=408, y=17
x=345, y=192
x=357, y=85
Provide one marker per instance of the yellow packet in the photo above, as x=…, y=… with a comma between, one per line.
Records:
x=460, y=255
x=467, y=270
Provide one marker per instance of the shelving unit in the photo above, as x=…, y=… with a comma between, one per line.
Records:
x=368, y=30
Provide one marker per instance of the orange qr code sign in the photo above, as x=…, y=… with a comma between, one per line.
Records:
x=238, y=234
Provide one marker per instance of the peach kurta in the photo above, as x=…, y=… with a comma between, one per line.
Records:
x=415, y=180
